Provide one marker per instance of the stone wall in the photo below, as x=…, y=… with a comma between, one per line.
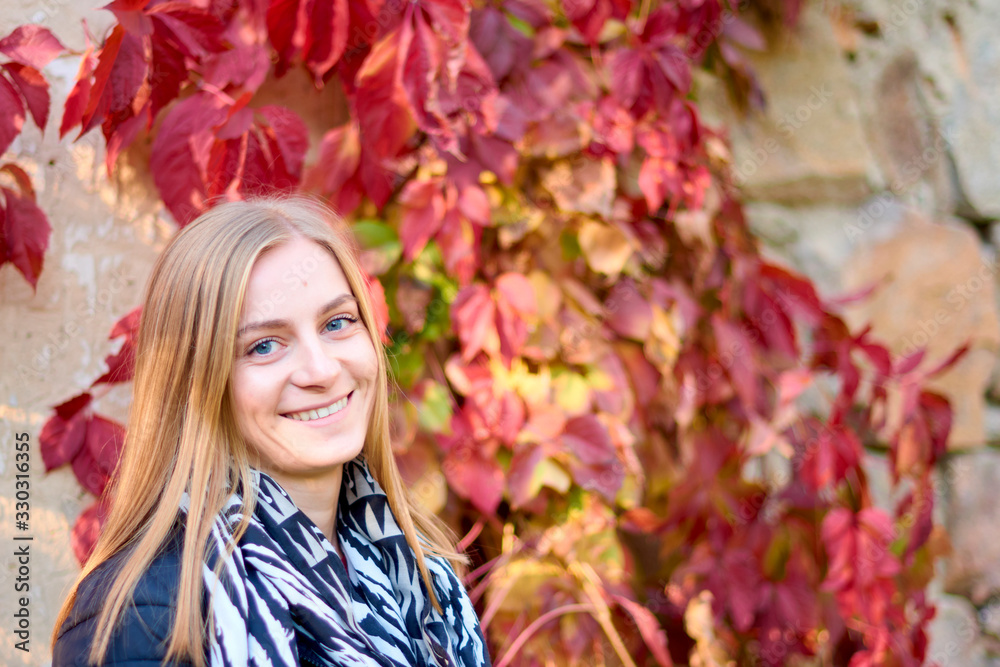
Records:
x=873, y=163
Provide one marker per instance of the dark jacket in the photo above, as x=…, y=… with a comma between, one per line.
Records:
x=141, y=637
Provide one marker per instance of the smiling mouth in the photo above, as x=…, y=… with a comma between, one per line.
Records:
x=319, y=413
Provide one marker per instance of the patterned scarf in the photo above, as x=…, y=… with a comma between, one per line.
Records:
x=285, y=597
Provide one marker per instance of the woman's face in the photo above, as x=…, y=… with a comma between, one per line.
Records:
x=305, y=369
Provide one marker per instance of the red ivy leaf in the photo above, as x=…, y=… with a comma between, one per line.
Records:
x=87, y=529
x=327, y=39
x=380, y=104
x=31, y=45
x=76, y=103
x=34, y=88
x=26, y=232
x=64, y=433
x=104, y=440
x=858, y=547
x=11, y=114
x=121, y=365
x=334, y=172
x=423, y=212
x=828, y=454
x=473, y=313
x=587, y=439
x=289, y=134
x=121, y=71
x=649, y=628
x=522, y=469
x=470, y=465
x=515, y=301
x=181, y=154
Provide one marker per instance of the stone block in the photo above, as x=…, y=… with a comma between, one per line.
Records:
x=955, y=639
x=808, y=144
x=972, y=519
x=935, y=289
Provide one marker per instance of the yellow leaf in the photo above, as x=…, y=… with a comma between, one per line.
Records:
x=572, y=392
x=605, y=248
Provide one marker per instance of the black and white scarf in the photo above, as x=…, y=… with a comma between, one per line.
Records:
x=285, y=597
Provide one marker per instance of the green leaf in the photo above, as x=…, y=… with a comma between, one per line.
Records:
x=551, y=474
x=435, y=409
x=380, y=244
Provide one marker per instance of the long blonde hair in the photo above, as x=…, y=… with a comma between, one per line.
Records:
x=182, y=433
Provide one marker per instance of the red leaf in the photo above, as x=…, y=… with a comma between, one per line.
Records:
x=459, y=241
x=377, y=294
x=858, y=548
x=121, y=365
x=628, y=313
x=522, y=469
x=829, y=453
x=31, y=45
x=184, y=140
x=87, y=529
x=190, y=30
x=470, y=465
x=127, y=326
x=380, y=104
x=121, y=70
x=588, y=440
x=290, y=134
x=131, y=16
x=34, y=88
x=26, y=234
x=473, y=315
x=87, y=471
x=654, y=636
x=64, y=433
x=326, y=39
x=104, y=440
x=335, y=170
x=515, y=299
x=736, y=354
x=167, y=74
x=11, y=114
x=423, y=213
x=77, y=100
x=286, y=28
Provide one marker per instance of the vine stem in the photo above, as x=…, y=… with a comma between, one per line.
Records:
x=537, y=624
x=643, y=15
x=471, y=535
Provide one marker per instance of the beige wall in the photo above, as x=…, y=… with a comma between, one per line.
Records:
x=54, y=340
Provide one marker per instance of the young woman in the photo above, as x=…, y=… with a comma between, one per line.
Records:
x=258, y=517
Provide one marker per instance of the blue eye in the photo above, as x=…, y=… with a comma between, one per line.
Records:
x=339, y=322
x=263, y=347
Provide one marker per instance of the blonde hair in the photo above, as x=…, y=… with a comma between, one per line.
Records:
x=181, y=424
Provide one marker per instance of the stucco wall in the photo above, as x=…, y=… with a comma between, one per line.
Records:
x=104, y=239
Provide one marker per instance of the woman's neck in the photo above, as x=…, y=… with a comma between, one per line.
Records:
x=316, y=496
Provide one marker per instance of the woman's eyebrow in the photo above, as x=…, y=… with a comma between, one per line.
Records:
x=277, y=324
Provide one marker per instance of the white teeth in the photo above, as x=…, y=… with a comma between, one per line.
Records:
x=309, y=415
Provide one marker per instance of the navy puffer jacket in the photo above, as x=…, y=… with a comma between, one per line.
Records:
x=140, y=640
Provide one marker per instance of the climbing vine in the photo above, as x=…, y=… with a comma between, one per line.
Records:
x=650, y=437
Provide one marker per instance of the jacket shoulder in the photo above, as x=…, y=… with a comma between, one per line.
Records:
x=141, y=635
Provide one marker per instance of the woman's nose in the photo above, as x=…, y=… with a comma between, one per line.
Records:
x=315, y=363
